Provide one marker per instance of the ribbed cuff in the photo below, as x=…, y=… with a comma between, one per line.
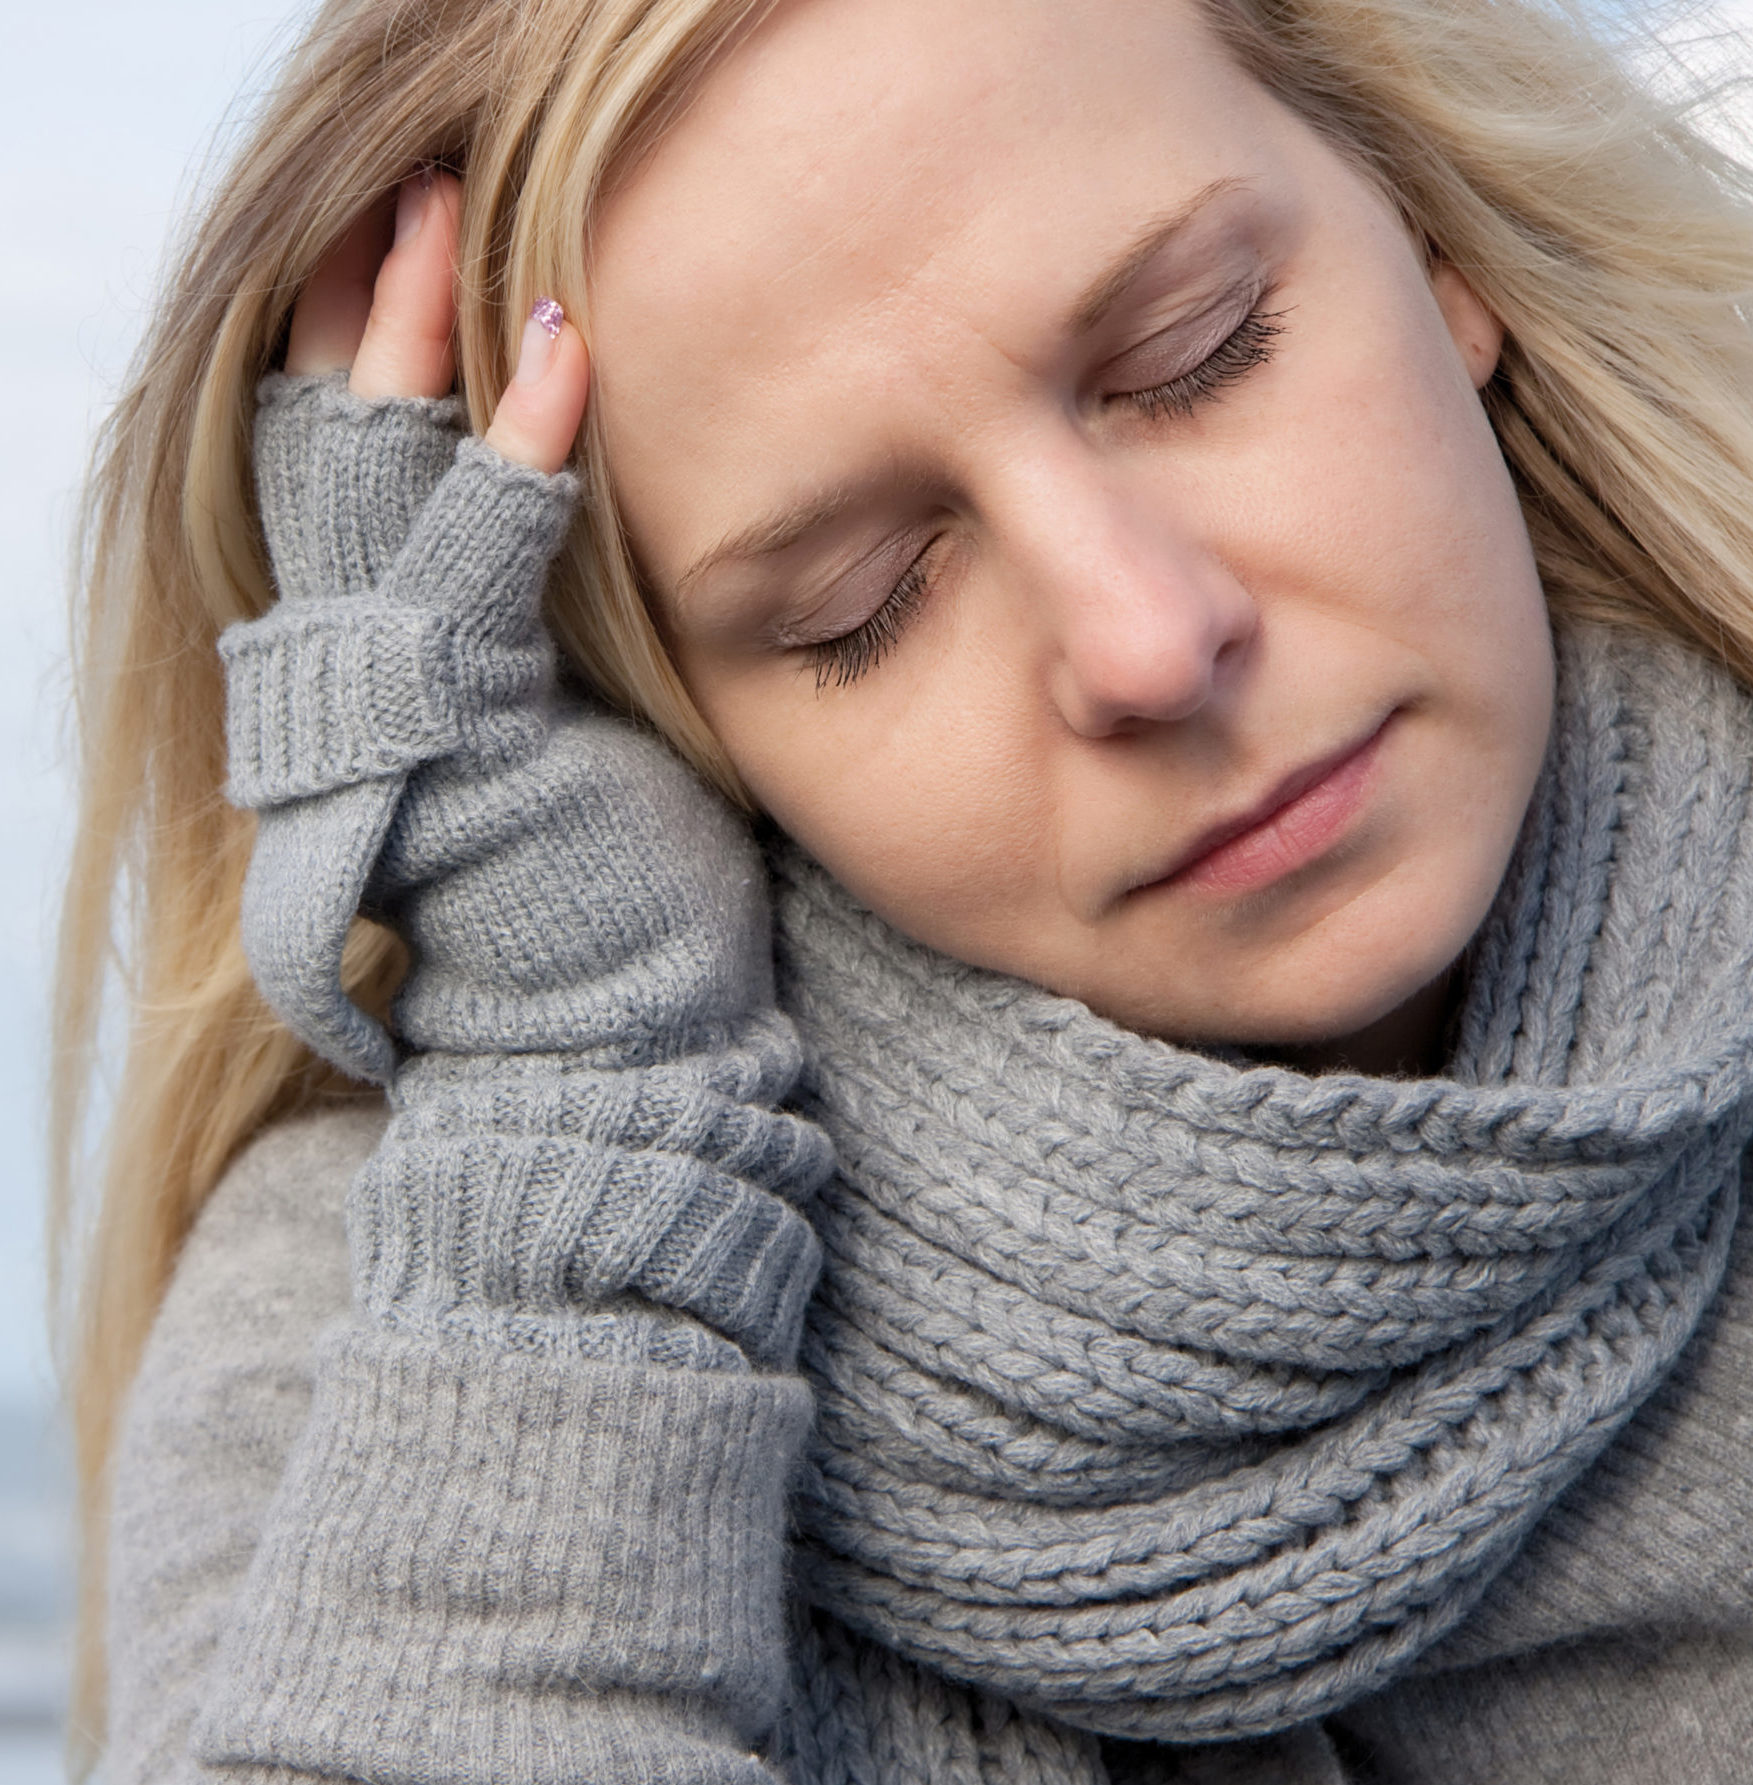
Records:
x=543, y=1224
x=321, y=694
x=483, y=1565
x=326, y=693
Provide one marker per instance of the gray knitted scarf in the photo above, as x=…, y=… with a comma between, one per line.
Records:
x=1180, y=1400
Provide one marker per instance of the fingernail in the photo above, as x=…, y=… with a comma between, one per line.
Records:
x=535, y=354
x=411, y=206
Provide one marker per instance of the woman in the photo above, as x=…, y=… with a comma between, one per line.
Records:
x=1270, y=1307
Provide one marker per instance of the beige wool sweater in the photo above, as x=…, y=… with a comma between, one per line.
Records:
x=1616, y=1650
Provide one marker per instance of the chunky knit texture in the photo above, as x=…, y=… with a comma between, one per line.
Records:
x=580, y=1237
x=1184, y=1399
x=1159, y=1396
x=1616, y=1649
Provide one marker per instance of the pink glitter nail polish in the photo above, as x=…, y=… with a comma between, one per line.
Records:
x=549, y=314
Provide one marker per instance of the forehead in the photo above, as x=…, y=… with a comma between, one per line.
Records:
x=875, y=206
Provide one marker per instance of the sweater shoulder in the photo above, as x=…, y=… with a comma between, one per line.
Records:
x=288, y=1184
x=265, y=1264
x=263, y=1269
x=222, y=1391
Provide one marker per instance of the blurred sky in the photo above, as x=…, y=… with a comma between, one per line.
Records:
x=114, y=112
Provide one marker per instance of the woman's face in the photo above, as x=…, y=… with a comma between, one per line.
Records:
x=1050, y=460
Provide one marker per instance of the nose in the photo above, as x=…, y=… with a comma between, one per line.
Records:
x=1144, y=619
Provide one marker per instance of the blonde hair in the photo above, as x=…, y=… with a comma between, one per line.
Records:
x=1612, y=240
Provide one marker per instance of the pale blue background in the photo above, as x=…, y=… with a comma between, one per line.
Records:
x=114, y=115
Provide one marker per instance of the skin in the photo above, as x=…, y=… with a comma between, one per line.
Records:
x=1135, y=624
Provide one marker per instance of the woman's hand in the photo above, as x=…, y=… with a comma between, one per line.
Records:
x=409, y=560
x=584, y=1058
x=389, y=318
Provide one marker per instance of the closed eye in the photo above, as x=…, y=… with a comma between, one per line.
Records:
x=844, y=659
x=1248, y=345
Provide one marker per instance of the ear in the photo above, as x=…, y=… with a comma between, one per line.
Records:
x=1477, y=334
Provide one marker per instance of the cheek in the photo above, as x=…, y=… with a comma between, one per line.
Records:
x=1404, y=540
x=1371, y=511
x=918, y=789
x=1376, y=466
x=1366, y=510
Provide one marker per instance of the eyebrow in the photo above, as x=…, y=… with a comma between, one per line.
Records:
x=774, y=532
x=1092, y=309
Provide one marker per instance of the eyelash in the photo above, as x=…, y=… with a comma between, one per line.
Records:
x=1247, y=345
x=841, y=661
x=844, y=659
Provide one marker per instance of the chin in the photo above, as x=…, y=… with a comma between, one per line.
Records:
x=1346, y=1008
x=1377, y=962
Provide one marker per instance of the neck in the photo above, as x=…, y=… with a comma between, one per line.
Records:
x=1406, y=1043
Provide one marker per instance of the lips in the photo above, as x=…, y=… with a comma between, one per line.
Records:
x=1295, y=822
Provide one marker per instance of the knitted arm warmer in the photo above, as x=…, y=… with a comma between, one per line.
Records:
x=536, y=1518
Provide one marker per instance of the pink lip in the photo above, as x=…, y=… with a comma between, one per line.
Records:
x=1302, y=817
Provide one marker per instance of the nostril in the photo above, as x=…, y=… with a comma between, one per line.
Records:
x=1135, y=684
x=1230, y=654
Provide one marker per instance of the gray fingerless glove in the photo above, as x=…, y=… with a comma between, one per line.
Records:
x=586, y=1152
x=372, y=664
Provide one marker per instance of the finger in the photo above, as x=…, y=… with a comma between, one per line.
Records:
x=328, y=321
x=407, y=348
x=541, y=409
